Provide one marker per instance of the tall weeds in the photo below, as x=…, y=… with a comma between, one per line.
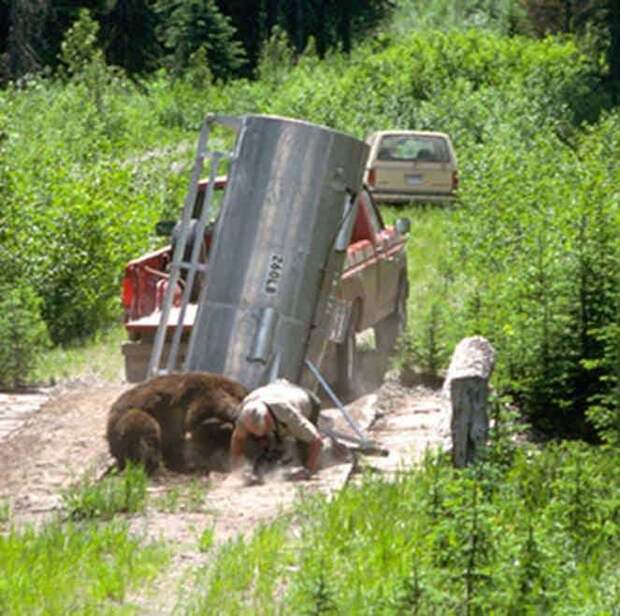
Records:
x=538, y=531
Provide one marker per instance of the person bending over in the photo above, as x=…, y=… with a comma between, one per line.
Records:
x=274, y=413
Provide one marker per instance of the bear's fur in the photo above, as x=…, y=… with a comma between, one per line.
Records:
x=135, y=436
x=148, y=422
x=208, y=448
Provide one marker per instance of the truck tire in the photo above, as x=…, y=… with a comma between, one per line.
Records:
x=348, y=358
x=394, y=325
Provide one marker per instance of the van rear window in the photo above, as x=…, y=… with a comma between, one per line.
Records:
x=412, y=147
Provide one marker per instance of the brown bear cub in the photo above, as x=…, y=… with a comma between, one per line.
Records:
x=148, y=423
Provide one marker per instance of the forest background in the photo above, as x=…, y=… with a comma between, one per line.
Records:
x=101, y=103
x=100, y=107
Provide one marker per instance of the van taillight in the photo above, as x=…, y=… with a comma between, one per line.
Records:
x=372, y=176
x=127, y=295
x=455, y=180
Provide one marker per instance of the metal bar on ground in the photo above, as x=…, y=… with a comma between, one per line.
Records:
x=366, y=447
x=336, y=401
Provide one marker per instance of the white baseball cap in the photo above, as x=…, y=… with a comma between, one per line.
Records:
x=254, y=414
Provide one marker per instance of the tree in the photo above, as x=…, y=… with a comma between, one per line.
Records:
x=253, y=20
x=26, y=42
x=23, y=334
x=330, y=22
x=575, y=16
x=186, y=25
x=128, y=32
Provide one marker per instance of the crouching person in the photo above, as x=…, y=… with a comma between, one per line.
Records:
x=274, y=414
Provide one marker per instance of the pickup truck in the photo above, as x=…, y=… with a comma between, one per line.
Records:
x=373, y=282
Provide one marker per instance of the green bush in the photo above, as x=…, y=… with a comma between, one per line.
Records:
x=23, y=334
x=538, y=533
x=536, y=243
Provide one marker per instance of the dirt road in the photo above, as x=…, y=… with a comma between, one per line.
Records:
x=53, y=447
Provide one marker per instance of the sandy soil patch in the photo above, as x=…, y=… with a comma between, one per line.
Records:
x=54, y=446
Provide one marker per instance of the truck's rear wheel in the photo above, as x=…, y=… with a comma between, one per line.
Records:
x=348, y=358
x=394, y=325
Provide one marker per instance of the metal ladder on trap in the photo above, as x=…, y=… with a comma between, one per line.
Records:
x=193, y=266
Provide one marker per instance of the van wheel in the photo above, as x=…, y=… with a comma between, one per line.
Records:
x=394, y=325
x=348, y=358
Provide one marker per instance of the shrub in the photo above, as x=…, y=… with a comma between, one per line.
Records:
x=538, y=257
x=540, y=532
x=23, y=334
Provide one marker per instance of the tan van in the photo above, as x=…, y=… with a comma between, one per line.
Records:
x=411, y=166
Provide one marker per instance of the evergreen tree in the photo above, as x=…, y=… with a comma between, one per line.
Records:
x=128, y=30
x=330, y=22
x=186, y=25
x=61, y=17
x=253, y=20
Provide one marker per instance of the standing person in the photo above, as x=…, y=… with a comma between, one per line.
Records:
x=275, y=413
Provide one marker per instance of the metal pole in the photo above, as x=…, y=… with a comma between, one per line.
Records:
x=336, y=401
x=365, y=447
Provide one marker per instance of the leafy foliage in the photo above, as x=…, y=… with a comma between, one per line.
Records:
x=276, y=58
x=144, y=35
x=539, y=530
x=23, y=334
x=528, y=258
x=549, y=249
x=506, y=16
x=187, y=26
x=79, y=47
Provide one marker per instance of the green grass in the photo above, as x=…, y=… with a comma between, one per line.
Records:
x=245, y=575
x=117, y=493
x=206, y=539
x=537, y=529
x=98, y=357
x=5, y=511
x=189, y=497
x=426, y=261
x=74, y=569
x=85, y=563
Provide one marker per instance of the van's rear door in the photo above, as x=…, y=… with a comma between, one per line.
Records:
x=410, y=163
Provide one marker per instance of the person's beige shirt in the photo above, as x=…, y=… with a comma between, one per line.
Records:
x=290, y=405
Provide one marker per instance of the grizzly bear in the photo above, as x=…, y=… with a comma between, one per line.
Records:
x=149, y=422
x=208, y=448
